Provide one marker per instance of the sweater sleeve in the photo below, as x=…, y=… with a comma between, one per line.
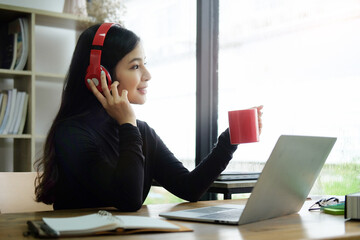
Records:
x=110, y=179
x=191, y=185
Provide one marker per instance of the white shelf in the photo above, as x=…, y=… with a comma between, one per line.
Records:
x=5, y=73
x=24, y=145
x=16, y=136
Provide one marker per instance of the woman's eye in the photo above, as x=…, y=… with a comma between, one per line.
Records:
x=135, y=67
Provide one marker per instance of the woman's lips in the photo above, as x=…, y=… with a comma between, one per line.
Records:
x=143, y=90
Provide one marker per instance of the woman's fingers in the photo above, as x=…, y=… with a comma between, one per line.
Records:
x=117, y=106
x=259, y=108
x=124, y=94
x=96, y=92
x=104, y=85
x=259, y=113
x=114, y=91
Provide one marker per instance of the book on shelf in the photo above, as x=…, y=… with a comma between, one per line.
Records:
x=19, y=109
x=20, y=128
x=1, y=97
x=7, y=111
x=352, y=206
x=101, y=223
x=1, y=102
x=17, y=106
x=24, y=52
x=3, y=106
x=6, y=46
x=13, y=112
x=14, y=44
x=15, y=52
x=20, y=29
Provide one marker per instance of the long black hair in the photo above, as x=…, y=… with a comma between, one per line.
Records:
x=77, y=99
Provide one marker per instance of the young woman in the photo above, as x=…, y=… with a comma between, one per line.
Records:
x=97, y=154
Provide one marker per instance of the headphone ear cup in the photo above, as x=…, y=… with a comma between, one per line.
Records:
x=93, y=71
x=108, y=77
x=94, y=74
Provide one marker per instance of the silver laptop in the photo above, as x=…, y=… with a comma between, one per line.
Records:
x=281, y=189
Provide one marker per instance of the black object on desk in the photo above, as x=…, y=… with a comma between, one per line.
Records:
x=237, y=176
x=227, y=187
x=231, y=187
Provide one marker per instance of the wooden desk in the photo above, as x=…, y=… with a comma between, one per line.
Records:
x=230, y=187
x=303, y=225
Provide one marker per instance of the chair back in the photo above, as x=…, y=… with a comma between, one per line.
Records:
x=17, y=193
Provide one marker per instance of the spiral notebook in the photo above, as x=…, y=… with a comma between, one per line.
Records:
x=101, y=223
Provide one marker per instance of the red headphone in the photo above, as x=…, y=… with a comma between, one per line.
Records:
x=93, y=71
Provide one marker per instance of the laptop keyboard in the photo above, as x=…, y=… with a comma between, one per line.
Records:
x=229, y=214
x=209, y=210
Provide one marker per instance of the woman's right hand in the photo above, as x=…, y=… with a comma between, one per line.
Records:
x=117, y=106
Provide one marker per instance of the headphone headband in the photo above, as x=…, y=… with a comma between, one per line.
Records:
x=94, y=69
x=101, y=34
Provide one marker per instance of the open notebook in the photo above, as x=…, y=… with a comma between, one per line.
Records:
x=100, y=223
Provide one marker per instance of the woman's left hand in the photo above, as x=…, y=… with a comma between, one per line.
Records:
x=259, y=108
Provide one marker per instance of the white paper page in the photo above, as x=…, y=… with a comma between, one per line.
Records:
x=137, y=222
x=82, y=224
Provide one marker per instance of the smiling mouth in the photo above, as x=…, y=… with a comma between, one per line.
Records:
x=143, y=90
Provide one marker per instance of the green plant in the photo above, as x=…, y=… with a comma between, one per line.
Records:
x=159, y=195
x=338, y=179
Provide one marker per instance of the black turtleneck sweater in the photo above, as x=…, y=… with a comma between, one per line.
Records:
x=104, y=164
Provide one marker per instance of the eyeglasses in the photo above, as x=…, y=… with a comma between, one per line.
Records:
x=323, y=203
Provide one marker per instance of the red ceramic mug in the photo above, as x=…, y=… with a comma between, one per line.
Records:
x=243, y=126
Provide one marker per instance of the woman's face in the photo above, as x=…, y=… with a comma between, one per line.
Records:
x=133, y=75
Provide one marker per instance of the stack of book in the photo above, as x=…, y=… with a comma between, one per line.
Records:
x=352, y=206
x=14, y=44
x=13, y=111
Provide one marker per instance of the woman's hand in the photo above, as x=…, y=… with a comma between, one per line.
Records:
x=259, y=112
x=118, y=107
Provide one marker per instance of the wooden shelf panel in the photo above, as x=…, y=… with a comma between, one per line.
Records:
x=47, y=18
x=62, y=20
x=10, y=14
x=15, y=136
x=6, y=73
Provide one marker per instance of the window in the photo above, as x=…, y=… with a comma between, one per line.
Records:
x=300, y=59
x=168, y=31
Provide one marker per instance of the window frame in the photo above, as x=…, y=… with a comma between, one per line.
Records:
x=207, y=47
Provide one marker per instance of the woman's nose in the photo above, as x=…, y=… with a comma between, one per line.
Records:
x=146, y=75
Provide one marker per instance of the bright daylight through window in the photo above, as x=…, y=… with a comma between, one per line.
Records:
x=300, y=59
x=168, y=31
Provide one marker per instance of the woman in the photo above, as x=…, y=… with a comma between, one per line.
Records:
x=97, y=154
